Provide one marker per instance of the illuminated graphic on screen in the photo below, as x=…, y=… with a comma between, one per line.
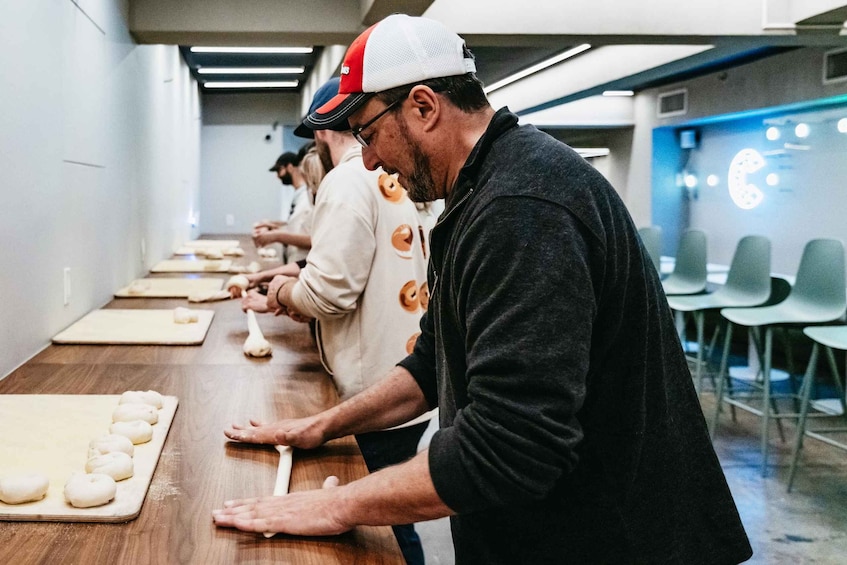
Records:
x=745, y=195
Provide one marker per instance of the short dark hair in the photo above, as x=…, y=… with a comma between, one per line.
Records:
x=463, y=91
x=303, y=150
x=287, y=158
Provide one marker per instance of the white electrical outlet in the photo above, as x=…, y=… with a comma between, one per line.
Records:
x=67, y=285
x=230, y=220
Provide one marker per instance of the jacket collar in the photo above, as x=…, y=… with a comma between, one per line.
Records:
x=502, y=121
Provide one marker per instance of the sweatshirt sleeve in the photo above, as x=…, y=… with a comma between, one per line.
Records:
x=339, y=263
x=523, y=288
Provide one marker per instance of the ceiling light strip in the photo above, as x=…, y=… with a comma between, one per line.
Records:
x=251, y=70
x=618, y=93
x=252, y=84
x=251, y=49
x=538, y=67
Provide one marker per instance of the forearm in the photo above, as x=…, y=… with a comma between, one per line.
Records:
x=286, y=238
x=401, y=494
x=289, y=270
x=394, y=400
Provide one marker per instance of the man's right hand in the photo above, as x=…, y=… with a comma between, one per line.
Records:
x=255, y=301
x=303, y=433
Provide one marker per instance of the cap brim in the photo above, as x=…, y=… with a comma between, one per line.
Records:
x=333, y=115
x=303, y=131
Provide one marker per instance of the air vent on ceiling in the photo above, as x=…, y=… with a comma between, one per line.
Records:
x=673, y=103
x=835, y=66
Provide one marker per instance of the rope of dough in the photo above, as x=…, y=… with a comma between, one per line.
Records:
x=255, y=345
x=283, y=475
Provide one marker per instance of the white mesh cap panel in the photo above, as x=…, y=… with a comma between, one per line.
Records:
x=410, y=50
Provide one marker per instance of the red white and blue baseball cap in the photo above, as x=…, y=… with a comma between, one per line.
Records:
x=395, y=51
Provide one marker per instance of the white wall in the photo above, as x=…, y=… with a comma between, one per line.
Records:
x=236, y=156
x=99, y=148
x=790, y=78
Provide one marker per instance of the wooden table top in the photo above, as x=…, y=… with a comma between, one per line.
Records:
x=199, y=469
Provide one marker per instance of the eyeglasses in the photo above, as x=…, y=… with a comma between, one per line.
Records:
x=357, y=131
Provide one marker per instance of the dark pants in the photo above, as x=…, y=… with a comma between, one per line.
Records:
x=390, y=447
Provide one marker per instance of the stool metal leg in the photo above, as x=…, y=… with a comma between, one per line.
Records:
x=722, y=377
x=698, y=377
x=806, y=390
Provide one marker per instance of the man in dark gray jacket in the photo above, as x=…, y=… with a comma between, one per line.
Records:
x=570, y=430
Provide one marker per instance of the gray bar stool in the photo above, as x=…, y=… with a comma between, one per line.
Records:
x=828, y=337
x=748, y=283
x=819, y=296
x=651, y=237
x=689, y=272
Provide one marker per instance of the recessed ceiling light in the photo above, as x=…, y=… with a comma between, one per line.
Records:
x=251, y=49
x=538, y=67
x=250, y=70
x=254, y=84
x=618, y=93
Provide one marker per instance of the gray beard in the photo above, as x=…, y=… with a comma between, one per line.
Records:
x=420, y=184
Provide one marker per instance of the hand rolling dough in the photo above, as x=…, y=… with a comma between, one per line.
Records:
x=17, y=489
x=87, y=490
x=117, y=465
x=138, y=431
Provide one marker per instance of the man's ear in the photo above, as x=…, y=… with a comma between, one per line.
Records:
x=426, y=106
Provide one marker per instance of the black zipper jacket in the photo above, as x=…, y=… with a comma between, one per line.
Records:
x=570, y=430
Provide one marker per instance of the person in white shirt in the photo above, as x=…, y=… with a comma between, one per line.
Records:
x=292, y=231
x=365, y=284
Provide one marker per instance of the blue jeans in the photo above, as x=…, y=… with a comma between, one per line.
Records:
x=390, y=447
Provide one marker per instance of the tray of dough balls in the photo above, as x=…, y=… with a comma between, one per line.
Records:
x=80, y=458
x=114, y=326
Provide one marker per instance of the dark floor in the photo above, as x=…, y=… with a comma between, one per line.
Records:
x=808, y=525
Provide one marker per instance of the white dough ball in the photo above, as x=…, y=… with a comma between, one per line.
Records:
x=237, y=281
x=110, y=443
x=150, y=397
x=87, y=490
x=138, y=431
x=117, y=465
x=28, y=487
x=214, y=254
x=185, y=315
x=130, y=412
x=139, y=286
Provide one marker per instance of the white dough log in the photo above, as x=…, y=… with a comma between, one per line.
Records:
x=138, y=431
x=266, y=252
x=117, y=465
x=26, y=487
x=212, y=253
x=110, y=443
x=150, y=397
x=87, y=490
x=131, y=412
x=255, y=345
x=209, y=296
x=185, y=316
x=254, y=267
x=283, y=474
x=233, y=251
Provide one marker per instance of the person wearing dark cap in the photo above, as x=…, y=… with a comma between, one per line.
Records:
x=287, y=171
x=570, y=429
x=364, y=282
x=291, y=232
